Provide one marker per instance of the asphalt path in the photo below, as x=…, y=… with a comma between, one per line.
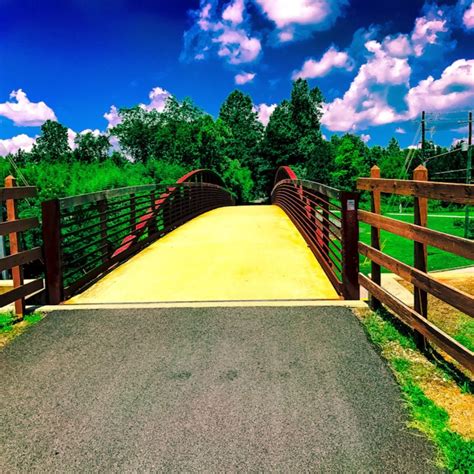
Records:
x=203, y=390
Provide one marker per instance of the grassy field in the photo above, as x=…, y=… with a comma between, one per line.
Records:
x=402, y=249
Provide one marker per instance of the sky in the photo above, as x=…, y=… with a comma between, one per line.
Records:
x=378, y=64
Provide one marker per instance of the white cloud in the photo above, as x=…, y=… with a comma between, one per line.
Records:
x=468, y=17
x=158, y=98
x=365, y=138
x=25, y=113
x=454, y=89
x=426, y=31
x=365, y=102
x=12, y=145
x=400, y=130
x=112, y=116
x=297, y=18
x=264, y=112
x=331, y=59
x=237, y=46
x=244, y=78
x=228, y=28
x=234, y=12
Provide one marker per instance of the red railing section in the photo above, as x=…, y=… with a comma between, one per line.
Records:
x=327, y=219
x=86, y=236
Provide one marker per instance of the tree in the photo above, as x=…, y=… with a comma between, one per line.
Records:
x=306, y=107
x=349, y=164
x=91, y=148
x=238, y=114
x=137, y=131
x=52, y=145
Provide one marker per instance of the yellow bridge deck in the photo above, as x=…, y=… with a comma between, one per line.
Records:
x=229, y=254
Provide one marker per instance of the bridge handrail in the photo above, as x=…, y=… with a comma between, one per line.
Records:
x=87, y=235
x=327, y=219
x=328, y=191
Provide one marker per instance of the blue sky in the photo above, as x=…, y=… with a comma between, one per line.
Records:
x=377, y=64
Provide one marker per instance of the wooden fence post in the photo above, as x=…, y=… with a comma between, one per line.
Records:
x=350, y=245
x=52, y=250
x=375, y=237
x=17, y=271
x=420, y=250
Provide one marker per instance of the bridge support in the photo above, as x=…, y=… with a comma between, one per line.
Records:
x=350, y=242
x=52, y=251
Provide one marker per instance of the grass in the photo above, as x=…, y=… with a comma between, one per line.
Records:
x=10, y=327
x=439, y=408
x=402, y=249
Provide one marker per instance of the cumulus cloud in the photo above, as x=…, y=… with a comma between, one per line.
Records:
x=222, y=33
x=468, y=17
x=158, y=97
x=25, y=113
x=264, y=112
x=234, y=12
x=331, y=59
x=382, y=91
x=244, y=78
x=454, y=89
x=112, y=116
x=400, y=131
x=228, y=29
x=298, y=18
x=365, y=102
x=12, y=145
x=365, y=138
x=427, y=31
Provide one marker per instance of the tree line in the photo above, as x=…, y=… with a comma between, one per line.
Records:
x=151, y=146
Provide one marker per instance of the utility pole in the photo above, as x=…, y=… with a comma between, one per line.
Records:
x=468, y=173
x=423, y=135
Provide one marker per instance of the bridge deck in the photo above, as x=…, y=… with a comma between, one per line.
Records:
x=231, y=253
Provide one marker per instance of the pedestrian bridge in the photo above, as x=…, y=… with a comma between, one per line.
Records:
x=190, y=242
x=231, y=253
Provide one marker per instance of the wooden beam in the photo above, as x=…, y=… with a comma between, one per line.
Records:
x=18, y=192
x=409, y=316
x=451, y=192
x=17, y=225
x=456, y=298
x=449, y=243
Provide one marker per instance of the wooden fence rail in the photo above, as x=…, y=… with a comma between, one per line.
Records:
x=424, y=283
x=17, y=257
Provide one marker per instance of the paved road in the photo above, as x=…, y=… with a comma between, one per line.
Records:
x=211, y=389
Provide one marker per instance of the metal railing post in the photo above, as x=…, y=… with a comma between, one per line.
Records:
x=350, y=240
x=51, y=223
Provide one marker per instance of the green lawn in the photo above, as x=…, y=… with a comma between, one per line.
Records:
x=402, y=249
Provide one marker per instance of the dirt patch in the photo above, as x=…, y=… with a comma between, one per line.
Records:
x=447, y=318
x=460, y=406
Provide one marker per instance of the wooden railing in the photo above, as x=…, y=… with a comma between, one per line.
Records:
x=17, y=257
x=417, y=317
x=327, y=219
x=86, y=236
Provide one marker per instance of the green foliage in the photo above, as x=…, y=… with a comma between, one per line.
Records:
x=52, y=144
x=350, y=162
x=91, y=148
